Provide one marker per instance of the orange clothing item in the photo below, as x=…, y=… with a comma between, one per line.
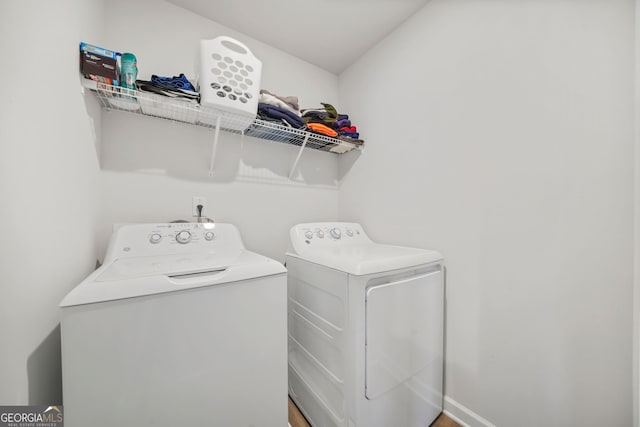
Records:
x=323, y=129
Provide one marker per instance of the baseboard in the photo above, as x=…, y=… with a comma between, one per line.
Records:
x=463, y=415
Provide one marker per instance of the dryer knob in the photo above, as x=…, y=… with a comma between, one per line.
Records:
x=308, y=234
x=320, y=234
x=183, y=237
x=335, y=233
x=209, y=235
x=155, y=238
x=349, y=232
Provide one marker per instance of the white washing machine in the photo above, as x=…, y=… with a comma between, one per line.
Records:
x=180, y=326
x=366, y=329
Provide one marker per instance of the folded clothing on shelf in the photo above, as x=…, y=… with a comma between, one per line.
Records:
x=322, y=129
x=327, y=115
x=344, y=122
x=350, y=131
x=327, y=121
x=289, y=103
x=279, y=115
x=324, y=121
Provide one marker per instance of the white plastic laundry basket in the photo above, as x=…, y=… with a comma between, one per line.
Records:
x=229, y=83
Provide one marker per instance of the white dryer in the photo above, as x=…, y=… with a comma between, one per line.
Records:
x=180, y=326
x=366, y=329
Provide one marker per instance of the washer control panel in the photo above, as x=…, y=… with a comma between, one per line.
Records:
x=172, y=238
x=327, y=234
x=182, y=233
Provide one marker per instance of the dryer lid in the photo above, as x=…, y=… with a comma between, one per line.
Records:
x=346, y=247
x=372, y=258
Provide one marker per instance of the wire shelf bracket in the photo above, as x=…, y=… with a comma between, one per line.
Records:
x=214, y=145
x=295, y=163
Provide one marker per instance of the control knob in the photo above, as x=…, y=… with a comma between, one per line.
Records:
x=335, y=233
x=209, y=235
x=155, y=238
x=308, y=234
x=349, y=232
x=320, y=234
x=183, y=237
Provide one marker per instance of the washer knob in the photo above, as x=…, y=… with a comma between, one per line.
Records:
x=308, y=234
x=209, y=235
x=349, y=232
x=320, y=234
x=335, y=233
x=183, y=237
x=155, y=238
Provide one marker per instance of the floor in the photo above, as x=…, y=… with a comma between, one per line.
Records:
x=297, y=420
x=295, y=417
x=444, y=421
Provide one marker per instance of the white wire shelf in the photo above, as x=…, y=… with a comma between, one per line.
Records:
x=189, y=111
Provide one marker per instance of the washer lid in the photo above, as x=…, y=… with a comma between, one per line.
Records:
x=142, y=276
x=168, y=265
x=369, y=258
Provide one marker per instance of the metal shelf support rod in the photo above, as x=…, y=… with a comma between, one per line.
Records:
x=304, y=143
x=214, y=146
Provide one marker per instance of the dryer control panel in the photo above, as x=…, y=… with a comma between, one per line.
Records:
x=327, y=235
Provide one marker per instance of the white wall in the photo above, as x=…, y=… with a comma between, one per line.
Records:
x=501, y=133
x=152, y=168
x=511, y=119
x=48, y=183
x=66, y=175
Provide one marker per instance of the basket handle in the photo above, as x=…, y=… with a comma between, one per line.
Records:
x=234, y=45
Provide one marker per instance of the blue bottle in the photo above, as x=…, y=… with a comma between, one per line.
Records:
x=128, y=70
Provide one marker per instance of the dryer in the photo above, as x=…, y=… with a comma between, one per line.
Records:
x=366, y=329
x=180, y=326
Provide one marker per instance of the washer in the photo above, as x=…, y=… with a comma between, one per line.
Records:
x=180, y=326
x=366, y=329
